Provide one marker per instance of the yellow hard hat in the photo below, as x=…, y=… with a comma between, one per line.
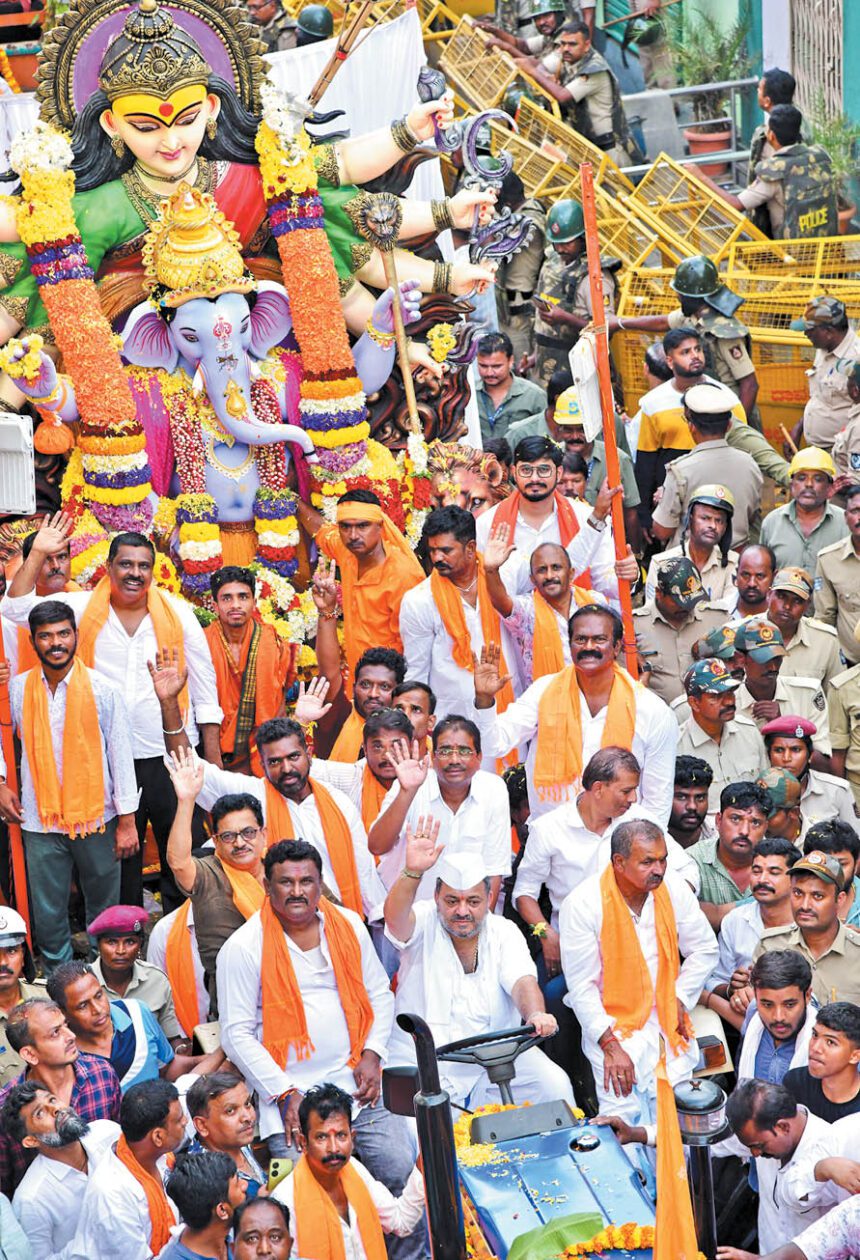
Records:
x=812, y=459
x=567, y=409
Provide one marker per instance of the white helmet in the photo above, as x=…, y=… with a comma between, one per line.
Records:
x=13, y=929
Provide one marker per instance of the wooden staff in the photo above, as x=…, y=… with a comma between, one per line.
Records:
x=627, y=16
x=345, y=44
x=16, y=840
x=607, y=404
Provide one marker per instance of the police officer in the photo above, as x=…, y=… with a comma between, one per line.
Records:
x=16, y=984
x=563, y=297
x=707, y=409
x=837, y=587
x=766, y=695
x=277, y=29
x=775, y=87
x=667, y=627
x=580, y=79
x=706, y=538
x=788, y=740
x=536, y=29
x=517, y=278
x=811, y=647
x=844, y=716
x=709, y=306
x=800, y=530
x=846, y=447
x=796, y=184
x=831, y=404
x=731, y=745
x=315, y=23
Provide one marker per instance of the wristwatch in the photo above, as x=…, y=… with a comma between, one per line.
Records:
x=596, y=523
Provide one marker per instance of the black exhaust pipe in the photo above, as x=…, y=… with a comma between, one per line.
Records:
x=436, y=1140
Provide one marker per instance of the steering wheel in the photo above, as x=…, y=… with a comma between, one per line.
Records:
x=495, y=1052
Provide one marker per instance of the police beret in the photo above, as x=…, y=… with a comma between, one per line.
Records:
x=119, y=919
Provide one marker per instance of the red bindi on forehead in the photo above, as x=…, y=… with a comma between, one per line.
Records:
x=165, y=110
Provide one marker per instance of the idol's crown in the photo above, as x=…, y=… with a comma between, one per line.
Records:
x=152, y=55
x=192, y=251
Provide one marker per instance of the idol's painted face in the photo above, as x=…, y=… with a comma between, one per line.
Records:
x=164, y=135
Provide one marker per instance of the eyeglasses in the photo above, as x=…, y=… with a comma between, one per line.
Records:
x=535, y=470
x=447, y=751
x=230, y=837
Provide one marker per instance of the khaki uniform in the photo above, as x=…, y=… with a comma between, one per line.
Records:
x=566, y=284
x=596, y=111
x=673, y=647
x=844, y=714
x=11, y=1064
x=739, y=755
x=829, y=408
x=516, y=283
x=837, y=593
x=846, y=451
x=279, y=34
x=813, y=653
x=705, y=464
x=726, y=344
x=743, y=437
x=826, y=796
x=797, y=550
x=716, y=580
x=801, y=696
x=835, y=975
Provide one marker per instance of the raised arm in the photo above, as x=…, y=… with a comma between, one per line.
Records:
x=324, y=593
x=411, y=769
x=499, y=548
x=363, y=158
x=168, y=680
x=422, y=853
x=52, y=536
x=186, y=775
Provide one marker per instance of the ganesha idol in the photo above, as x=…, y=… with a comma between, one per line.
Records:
x=213, y=385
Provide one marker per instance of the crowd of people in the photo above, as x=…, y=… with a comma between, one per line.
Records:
x=492, y=804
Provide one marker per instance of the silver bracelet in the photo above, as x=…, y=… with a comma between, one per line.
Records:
x=179, y=730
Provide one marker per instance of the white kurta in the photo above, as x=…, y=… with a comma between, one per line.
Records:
x=580, y=924
x=114, y=1219
x=787, y=1202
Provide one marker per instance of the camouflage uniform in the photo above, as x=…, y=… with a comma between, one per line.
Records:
x=279, y=34
x=598, y=114
x=516, y=283
x=797, y=188
x=568, y=283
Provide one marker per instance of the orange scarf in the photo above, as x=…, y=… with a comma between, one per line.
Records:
x=337, y=834
x=165, y=623
x=558, y=762
x=629, y=997
x=27, y=658
x=318, y=1225
x=179, y=965
x=347, y=746
x=247, y=891
x=284, y=1024
x=373, y=793
x=447, y=599
x=508, y=510
x=76, y=807
x=160, y=1213
x=270, y=679
x=547, y=647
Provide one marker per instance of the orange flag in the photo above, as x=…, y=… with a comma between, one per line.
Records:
x=675, y=1234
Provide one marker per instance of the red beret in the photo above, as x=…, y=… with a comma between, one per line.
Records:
x=119, y=919
x=790, y=724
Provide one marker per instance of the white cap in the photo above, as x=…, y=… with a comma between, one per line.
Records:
x=11, y=926
x=461, y=870
x=710, y=400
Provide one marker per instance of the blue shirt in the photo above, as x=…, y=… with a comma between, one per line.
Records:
x=137, y=1053
x=772, y=1061
x=175, y=1250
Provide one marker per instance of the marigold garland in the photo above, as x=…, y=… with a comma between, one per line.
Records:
x=8, y=73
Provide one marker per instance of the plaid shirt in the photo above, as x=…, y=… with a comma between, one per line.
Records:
x=95, y=1096
x=717, y=887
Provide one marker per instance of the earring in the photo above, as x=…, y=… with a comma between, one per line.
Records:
x=118, y=145
x=212, y=128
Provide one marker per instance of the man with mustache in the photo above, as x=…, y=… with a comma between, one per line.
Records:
x=121, y=624
x=730, y=745
x=53, y=578
x=725, y=862
x=810, y=521
x=221, y=1108
x=765, y=694
x=688, y=821
x=752, y=582
x=818, y=934
x=17, y=973
x=811, y=646
x=565, y=717
x=78, y=790
x=667, y=627
x=840, y=840
x=303, y=998
x=611, y=929
x=776, y=1037
x=338, y=1208
x=68, y=1149
x=465, y=971
x=706, y=539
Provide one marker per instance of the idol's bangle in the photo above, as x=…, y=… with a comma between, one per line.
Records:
x=49, y=398
x=443, y=277
x=384, y=340
x=441, y=212
x=403, y=136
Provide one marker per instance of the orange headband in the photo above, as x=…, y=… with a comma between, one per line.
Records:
x=358, y=512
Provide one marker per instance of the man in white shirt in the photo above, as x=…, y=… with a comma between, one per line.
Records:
x=317, y=937
x=782, y=1136
x=116, y=1217
x=470, y=805
x=327, y=1174
x=465, y=971
x=287, y=784
x=596, y=636
x=48, y=1200
x=123, y=637
x=156, y=954
x=624, y=1067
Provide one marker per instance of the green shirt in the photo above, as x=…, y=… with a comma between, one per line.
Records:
x=521, y=401
x=597, y=472
x=536, y=426
x=717, y=886
x=781, y=531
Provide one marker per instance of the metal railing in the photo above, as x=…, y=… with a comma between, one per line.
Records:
x=734, y=89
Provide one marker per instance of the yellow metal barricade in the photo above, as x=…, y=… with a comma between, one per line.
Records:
x=478, y=74
x=825, y=261
x=541, y=129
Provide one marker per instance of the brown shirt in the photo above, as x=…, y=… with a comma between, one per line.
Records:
x=11, y=1064
x=835, y=975
x=215, y=915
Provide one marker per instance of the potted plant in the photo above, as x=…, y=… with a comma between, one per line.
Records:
x=707, y=52
x=839, y=136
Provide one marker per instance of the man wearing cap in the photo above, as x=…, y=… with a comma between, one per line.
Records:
x=837, y=584
x=837, y=347
x=784, y=790
x=720, y=644
x=831, y=949
x=546, y=16
x=730, y=745
x=706, y=538
x=788, y=740
x=765, y=694
x=17, y=973
x=800, y=529
x=465, y=971
x=119, y=940
x=725, y=862
x=811, y=646
x=708, y=412
x=667, y=628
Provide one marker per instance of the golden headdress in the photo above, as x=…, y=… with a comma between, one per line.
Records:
x=192, y=251
x=152, y=54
